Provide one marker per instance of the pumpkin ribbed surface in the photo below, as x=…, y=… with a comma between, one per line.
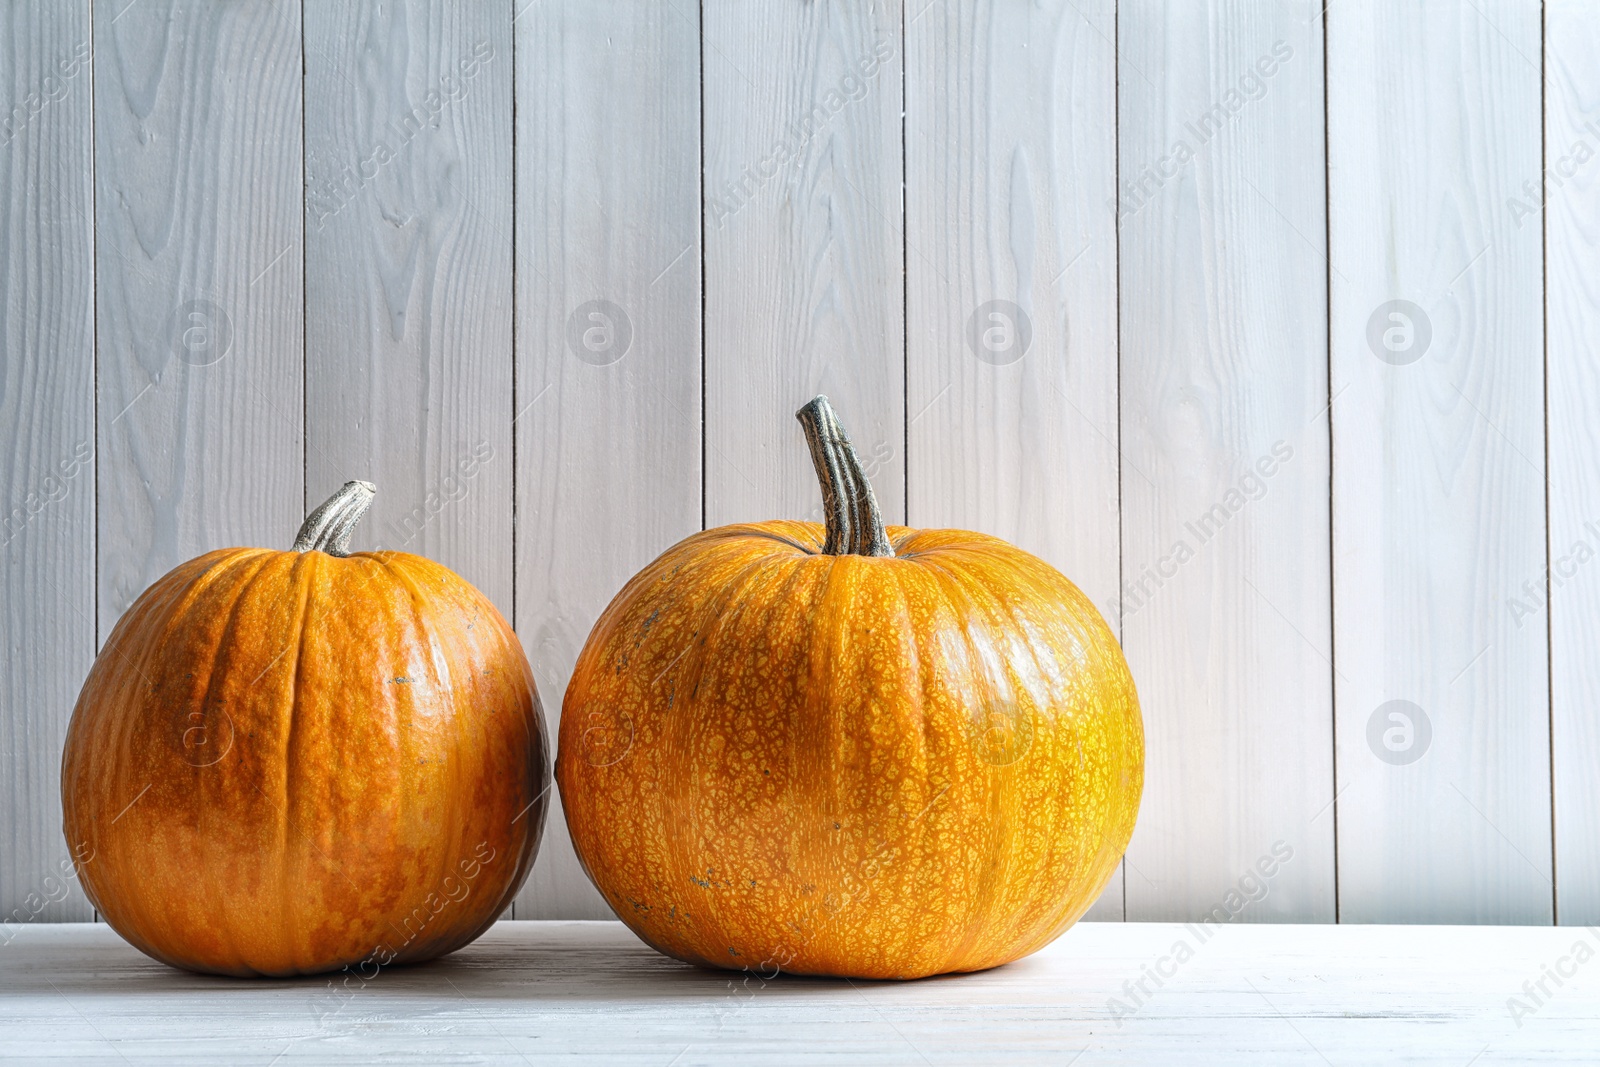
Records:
x=289, y=762
x=775, y=758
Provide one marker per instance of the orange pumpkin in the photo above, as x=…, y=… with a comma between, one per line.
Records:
x=291, y=762
x=850, y=750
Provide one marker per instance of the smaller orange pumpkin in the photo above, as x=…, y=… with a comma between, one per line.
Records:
x=291, y=762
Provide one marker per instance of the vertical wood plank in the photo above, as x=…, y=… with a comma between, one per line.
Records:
x=1572, y=275
x=608, y=336
x=1225, y=596
x=804, y=286
x=1438, y=427
x=47, y=635
x=199, y=284
x=1010, y=168
x=408, y=276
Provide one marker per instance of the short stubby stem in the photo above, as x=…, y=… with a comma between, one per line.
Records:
x=855, y=525
x=328, y=528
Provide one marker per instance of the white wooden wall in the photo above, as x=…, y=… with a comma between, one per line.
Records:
x=556, y=274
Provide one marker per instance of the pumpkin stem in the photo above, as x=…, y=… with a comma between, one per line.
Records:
x=328, y=528
x=855, y=525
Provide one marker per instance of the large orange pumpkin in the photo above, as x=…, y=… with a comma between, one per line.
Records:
x=850, y=750
x=291, y=762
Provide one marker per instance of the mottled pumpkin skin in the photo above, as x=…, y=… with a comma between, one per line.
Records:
x=772, y=758
x=284, y=763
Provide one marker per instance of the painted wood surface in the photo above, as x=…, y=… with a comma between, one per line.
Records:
x=1129, y=993
x=568, y=315
x=1011, y=281
x=1571, y=218
x=608, y=424
x=1438, y=497
x=198, y=285
x=804, y=267
x=408, y=276
x=1225, y=590
x=47, y=455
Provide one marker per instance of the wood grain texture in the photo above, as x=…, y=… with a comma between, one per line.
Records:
x=492, y=225
x=1010, y=165
x=608, y=336
x=47, y=635
x=803, y=250
x=1572, y=274
x=408, y=276
x=1225, y=596
x=198, y=299
x=1438, y=495
x=1103, y=993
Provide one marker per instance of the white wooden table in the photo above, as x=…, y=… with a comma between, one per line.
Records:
x=588, y=992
